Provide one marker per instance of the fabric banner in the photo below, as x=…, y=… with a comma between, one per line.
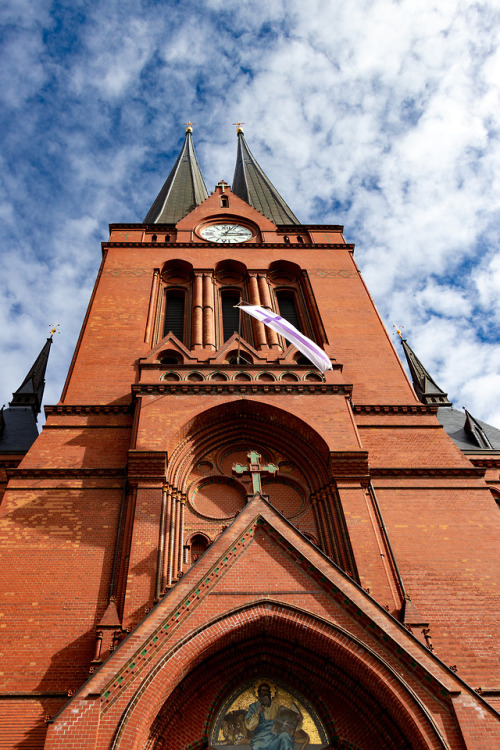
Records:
x=308, y=348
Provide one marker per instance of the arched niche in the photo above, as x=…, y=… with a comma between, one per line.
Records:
x=284, y=271
x=252, y=422
x=228, y=272
x=176, y=271
x=169, y=357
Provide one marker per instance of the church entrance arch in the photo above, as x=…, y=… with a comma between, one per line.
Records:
x=326, y=688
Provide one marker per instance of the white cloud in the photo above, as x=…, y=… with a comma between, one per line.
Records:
x=389, y=109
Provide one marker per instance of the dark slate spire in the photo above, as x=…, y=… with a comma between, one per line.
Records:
x=251, y=185
x=475, y=429
x=18, y=430
x=30, y=392
x=183, y=190
x=428, y=392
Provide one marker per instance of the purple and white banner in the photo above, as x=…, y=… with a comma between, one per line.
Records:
x=308, y=348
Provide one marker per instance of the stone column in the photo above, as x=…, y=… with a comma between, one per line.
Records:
x=265, y=296
x=197, y=313
x=171, y=540
x=258, y=327
x=208, y=313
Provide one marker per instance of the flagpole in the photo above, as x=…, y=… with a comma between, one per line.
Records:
x=239, y=333
x=239, y=328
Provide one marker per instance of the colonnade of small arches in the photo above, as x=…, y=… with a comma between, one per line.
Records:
x=199, y=305
x=262, y=377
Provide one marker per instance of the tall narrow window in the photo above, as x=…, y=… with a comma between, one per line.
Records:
x=288, y=308
x=199, y=544
x=174, y=314
x=230, y=313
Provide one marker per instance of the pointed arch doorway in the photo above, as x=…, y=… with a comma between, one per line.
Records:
x=338, y=702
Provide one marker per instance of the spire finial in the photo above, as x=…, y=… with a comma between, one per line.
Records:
x=189, y=126
x=239, y=129
x=54, y=330
x=399, y=330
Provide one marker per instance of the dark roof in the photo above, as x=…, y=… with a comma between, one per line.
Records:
x=184, y=188
x=427, y=390
x=19, y=431
x=251, y=185
x=18, y=428
x=467, y=432
x=30, y=392
x=458, y=425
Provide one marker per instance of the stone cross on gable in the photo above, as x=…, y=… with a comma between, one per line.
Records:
x=254, y=469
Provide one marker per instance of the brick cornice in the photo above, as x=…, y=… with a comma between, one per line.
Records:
x=426, y=471
x=148, y=465
x=258, y=245
x=88, y=409
x=348, y=463
x=484, y=462
x=65, y=473
x=394, y=409
x=216, y=388
x=285, y=228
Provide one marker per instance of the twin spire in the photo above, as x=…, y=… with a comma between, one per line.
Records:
x=184, y=188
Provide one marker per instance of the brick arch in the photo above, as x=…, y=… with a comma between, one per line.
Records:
x=246, y=419
x=147, y=713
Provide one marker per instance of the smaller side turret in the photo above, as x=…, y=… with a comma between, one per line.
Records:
x=18, y=428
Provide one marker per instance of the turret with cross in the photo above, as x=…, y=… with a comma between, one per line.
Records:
x=254, y=469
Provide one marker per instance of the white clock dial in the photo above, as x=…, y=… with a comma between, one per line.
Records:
x=226, y=233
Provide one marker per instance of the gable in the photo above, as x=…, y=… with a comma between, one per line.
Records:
x=236, y=208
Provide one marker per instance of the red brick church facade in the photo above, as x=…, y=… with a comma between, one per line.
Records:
x=148, y=591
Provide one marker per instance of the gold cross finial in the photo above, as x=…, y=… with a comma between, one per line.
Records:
x=189, y=126
x=54, y=330
x=398, y=330
x=239, y=129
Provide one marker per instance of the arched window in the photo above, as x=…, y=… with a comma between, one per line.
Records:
x=230, y=313
x=199, y=544
x=175, y=313
x=224, y=201
x=170, y=358
x=288, y=308
x=233, y=358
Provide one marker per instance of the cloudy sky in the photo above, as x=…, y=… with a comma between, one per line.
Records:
x=380, y=115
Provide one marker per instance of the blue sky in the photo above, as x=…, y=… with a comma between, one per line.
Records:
x=382, y=116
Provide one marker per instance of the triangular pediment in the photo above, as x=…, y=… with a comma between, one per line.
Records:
x=278, y=566
x=211, y=208
x=169, y=343
x=235, y=343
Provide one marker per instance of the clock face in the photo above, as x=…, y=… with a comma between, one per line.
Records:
x=226, y=233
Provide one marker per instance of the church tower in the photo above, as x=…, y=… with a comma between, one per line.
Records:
x=212, y=544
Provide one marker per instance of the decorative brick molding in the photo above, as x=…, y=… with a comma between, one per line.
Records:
x=147, y=465
x=65, y=473
x=348, y=463
x=398, y=471
x=394, y=409
x=88, y=409
x=216, y=388
x=492, y=462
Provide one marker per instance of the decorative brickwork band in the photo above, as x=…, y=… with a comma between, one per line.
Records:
x=349, y=463
x=147, y=465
